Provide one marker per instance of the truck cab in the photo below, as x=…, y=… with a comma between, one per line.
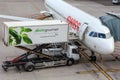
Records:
x=72, y=52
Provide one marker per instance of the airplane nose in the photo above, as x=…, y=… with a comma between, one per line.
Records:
x=108, y=47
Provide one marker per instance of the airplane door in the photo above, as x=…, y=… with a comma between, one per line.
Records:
x=82, y=30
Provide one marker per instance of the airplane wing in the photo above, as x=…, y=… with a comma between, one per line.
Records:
x=16, y=18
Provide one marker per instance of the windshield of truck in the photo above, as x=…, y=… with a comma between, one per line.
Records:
x=75, y=51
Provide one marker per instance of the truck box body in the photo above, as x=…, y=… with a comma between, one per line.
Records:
x=35, y=32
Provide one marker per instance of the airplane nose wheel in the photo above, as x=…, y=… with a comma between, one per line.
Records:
x=93, y=57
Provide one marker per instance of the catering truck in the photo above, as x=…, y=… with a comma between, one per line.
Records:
x=35, y=32
x=52, y=45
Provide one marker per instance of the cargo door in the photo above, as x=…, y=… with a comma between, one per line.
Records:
x=82, y=30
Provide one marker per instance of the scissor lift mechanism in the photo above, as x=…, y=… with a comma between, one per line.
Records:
x=29, y=64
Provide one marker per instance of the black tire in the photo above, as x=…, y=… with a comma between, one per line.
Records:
x=93, y=58
x=29, y=67
x=70, y=62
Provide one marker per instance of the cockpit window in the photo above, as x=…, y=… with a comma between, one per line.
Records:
x=91, y=33
x=108, y=35
x=99, y=35
x=95, y=34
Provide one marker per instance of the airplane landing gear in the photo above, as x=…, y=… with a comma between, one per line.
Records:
x=93, y=57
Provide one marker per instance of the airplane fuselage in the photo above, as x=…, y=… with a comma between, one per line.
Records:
x=95, y=36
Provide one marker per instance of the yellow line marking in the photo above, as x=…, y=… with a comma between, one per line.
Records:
x=98, y=67
x=96, y=71
x=86, y=61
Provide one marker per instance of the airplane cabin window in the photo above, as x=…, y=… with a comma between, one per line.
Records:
x=101, y=35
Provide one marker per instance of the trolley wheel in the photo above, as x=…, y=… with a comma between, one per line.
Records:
x=29, y=67
x=70, y=62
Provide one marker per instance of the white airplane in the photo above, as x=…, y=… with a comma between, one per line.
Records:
x=90, y=30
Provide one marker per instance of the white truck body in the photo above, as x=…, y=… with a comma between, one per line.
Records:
x=35, y=32
x=71, y=52
x=115, y=1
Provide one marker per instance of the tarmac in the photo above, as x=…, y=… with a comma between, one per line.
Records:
x=106, y=69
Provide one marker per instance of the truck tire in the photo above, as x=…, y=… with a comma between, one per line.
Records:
x=29, y=67
x=70, y=62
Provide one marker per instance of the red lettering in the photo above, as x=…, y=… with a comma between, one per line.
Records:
x=73, y=23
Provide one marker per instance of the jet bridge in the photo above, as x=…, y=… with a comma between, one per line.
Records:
x=112, y=21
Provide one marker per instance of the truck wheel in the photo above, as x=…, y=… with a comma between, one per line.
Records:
x=70, y=62
x=29, y=67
